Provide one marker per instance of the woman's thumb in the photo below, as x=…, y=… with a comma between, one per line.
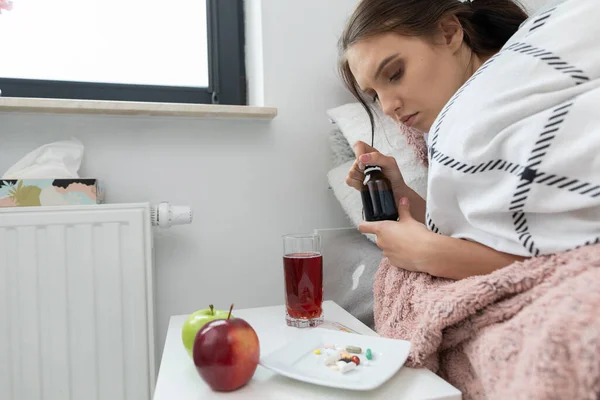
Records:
x=404, y=209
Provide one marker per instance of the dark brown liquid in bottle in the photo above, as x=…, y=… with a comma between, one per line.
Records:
x=378, y=197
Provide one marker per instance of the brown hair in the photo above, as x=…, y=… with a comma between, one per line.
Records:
x=487, y=26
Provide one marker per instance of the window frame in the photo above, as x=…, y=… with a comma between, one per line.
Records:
x=226, y=70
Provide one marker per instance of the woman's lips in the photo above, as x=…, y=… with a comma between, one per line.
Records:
x=410, y=120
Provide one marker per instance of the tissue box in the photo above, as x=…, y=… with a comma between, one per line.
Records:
x=49, y=192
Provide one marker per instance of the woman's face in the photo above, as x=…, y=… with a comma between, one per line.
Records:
x=410, y=77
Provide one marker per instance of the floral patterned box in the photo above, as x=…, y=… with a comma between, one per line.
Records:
x=49, y=192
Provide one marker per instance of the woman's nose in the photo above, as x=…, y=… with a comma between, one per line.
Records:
x=390, y=106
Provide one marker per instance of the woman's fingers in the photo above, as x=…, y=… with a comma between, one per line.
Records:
x=361, y=148
x=367, y=155
x=355, y=176
x=376, y=158
x=388, y=164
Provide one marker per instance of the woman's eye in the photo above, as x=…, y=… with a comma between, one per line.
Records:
x=375, y=99
x=396, y=76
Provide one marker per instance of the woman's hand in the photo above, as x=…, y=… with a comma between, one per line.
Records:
x=405, y=242
x=367, y=155
x=409, y=245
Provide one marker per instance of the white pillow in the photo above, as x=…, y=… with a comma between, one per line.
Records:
x=353, y=122
x=348, y=197
x=352, y=263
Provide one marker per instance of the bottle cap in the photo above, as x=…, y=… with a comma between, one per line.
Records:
x=370, y=168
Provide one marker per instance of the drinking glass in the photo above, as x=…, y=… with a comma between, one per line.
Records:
x=303, y=274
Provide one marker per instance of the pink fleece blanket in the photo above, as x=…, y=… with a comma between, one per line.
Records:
x=528, y=331
x=416, y=141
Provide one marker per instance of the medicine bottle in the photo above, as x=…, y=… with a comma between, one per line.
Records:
x=377, y=196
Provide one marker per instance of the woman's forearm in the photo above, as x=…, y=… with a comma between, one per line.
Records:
x=458, y=259
x=452, y=258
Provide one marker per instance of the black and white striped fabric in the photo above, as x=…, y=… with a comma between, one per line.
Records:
x=515, y=154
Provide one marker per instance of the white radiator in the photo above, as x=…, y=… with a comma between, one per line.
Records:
x=76, y=303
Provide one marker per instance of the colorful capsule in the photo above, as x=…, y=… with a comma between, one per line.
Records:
x=369, y=354
x=317, y=351
x=353, y=349
x=355, y=360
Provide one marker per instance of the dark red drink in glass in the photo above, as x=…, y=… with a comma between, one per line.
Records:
x=303, y=274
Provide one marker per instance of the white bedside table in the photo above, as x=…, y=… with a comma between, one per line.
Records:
x=178, y=379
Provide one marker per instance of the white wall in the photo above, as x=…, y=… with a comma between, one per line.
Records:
x=532, y=5
x=248, y=182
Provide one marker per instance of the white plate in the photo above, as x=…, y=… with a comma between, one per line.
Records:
x=297, y=360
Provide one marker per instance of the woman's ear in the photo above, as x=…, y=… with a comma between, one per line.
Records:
x=451, y=32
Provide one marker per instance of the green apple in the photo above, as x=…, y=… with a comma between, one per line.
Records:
x=196, y=321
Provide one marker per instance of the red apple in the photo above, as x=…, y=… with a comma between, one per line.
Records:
x=226, y=353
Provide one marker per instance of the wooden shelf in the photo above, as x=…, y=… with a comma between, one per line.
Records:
x=61, y=106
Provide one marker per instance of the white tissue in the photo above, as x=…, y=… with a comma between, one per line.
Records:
x=58, y=160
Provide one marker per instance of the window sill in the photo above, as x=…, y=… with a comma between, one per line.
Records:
x=209, y=111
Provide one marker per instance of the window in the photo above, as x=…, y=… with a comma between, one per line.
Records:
x=182, y=51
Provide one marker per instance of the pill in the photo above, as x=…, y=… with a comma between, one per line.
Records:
x=317, y=351
x=346, y=359
x=353, y=349
x=355, y=360
x=344, y=354
x=347, y=367
x=329, y=346
x=332, y=359
x=369, y=354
